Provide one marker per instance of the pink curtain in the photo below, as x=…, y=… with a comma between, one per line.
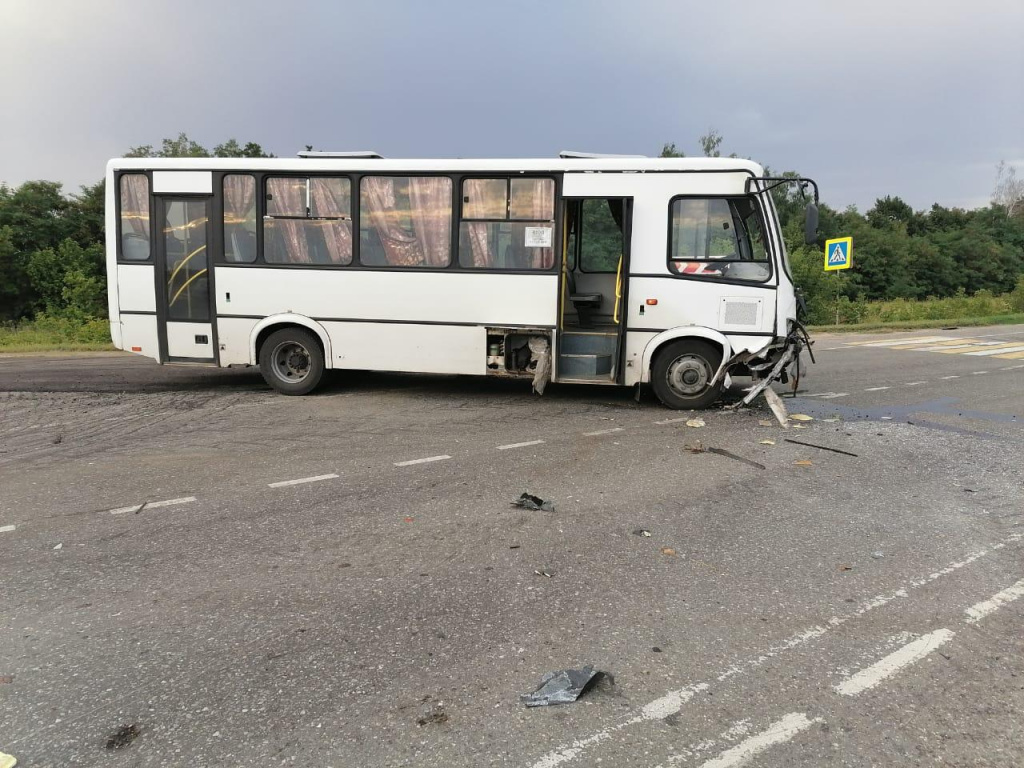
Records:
x=431, y=202
x=135, y=203
x=288, y=198
x=239, y=198
x=480, y=244
x=334, y=204
x=535, y=199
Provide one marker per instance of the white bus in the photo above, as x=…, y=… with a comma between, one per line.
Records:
x=587, y=269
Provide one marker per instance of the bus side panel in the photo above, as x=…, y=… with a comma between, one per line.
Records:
x=409, y=347
x=138, y=335
x=136, y=288
x=233, y=336
x=745, y=309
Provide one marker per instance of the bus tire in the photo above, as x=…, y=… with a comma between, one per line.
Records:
x=682, y=372
x=292, y=361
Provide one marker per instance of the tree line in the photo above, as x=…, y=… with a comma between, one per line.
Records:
x=52, y=261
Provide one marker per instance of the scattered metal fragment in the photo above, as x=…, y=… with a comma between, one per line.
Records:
x=821, y=447
x=801, y=417
x=695, y=423
x=514, y=546
x=878, y=555
x=529, y=501
x=545, y=574
x=123, y=736
x=642, y=532
x=668, y=551
x=778, y=409
x=561, y=687
x=804, y=463
x=723, y=452
x=768, y=442
x=7, y=761
x=59, y=546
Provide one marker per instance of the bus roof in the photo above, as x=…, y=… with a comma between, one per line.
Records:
x=457, y=165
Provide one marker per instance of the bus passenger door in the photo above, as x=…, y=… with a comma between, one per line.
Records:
x=183, y=280
x=595, y=272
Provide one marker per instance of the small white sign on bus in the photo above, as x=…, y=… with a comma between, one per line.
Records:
x=538, y=237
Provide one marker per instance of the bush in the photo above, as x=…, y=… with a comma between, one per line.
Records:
x=1017, y=296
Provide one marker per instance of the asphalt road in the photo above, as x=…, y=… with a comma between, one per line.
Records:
x=160, y=566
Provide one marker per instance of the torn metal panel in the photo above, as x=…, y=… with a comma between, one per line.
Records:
x=561, y=687
x=540, y=356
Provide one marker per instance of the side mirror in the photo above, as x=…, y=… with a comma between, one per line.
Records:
x=811, y=224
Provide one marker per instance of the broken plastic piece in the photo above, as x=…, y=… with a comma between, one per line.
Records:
x=7, y=761
x=775, y=403
x=529, y=501
x=540, y=353
x=642, y=532
x=561, y=687
x=801, y=417
x=804, y=463
x=695, y=423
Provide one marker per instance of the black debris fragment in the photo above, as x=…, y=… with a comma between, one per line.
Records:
x=727, y=454
x=642, y=532
x=529, y=501
x=820, y=447
x=432, y=713
x=123, y=736
x=561, y=687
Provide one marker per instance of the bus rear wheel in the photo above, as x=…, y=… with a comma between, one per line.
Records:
x=291, y=361
x=682, y=372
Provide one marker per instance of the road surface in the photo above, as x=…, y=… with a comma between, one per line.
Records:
x=340, y=580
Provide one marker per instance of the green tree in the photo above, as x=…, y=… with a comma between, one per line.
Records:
x=69, y=280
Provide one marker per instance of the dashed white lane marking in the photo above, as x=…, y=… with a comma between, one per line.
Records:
x=988, y=352
x=980, y=610
x=778, y=732
x=912, y=652
x=604, y=432
x=301, y=480
x=427, y=460
x=7, y=528
x=978, y=373
x=1011, y=368
x=914, y=383
x=901, y=342
x=510, y=446
x=876, y=389
x=946, y=378
x=153, y=505
x=826, y=395
x=673, y=701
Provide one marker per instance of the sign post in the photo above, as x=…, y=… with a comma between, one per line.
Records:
x=838, y=255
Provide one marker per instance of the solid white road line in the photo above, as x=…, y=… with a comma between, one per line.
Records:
x=510, y=446
x=914, y=651
x=876, y=389
x=153, y=505
x=301, y=480
x=833, y=395
x=1011, y=368
x=778, y=732
x=427, y=460
x=978, y=373
x=980, y=610
x=604, y=432
x=987, y=352
x=7, y=528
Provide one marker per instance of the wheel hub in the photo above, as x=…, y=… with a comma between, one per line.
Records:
x=291, y=362
x=688, y=375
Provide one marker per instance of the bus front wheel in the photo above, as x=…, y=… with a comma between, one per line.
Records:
x=682, y=372
x=291, y=361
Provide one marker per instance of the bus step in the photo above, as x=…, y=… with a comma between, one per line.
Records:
x=576, y=366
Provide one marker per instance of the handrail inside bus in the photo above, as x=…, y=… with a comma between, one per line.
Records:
x=182, y=263
x=618, y=289
x=185, y=285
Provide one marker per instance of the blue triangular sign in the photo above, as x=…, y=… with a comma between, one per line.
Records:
x=838, y=255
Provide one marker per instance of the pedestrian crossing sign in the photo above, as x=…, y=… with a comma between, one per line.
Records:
x=838, y=253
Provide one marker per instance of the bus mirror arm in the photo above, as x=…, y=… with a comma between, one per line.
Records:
x=811, y=224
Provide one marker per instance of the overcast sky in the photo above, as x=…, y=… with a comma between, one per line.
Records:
x=919, y=99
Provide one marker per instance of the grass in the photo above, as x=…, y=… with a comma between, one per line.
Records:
x=909, y=325
x=51, y=334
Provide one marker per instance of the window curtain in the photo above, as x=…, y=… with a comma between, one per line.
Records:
x=400, y=248
x=239, y=196
x=135, y=203
x=337, y=231
x=431, y=201
x=479, y=204
x=289, y=198
x=542, y=209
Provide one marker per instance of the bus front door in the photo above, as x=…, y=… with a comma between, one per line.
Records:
x=183, y=281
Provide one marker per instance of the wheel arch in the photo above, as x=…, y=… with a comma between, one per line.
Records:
x=268, y=325
x=684, y=332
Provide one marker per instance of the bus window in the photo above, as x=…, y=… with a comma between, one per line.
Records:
x=308, y=221
x=718, y=238
x=405, y=221
x=135, y=217
x=239, y=218
x=507, y=224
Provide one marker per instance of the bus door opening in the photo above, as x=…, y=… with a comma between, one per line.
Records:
x=595, y=268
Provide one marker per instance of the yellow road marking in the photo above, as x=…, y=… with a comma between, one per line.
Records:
x=1011, y=356
x=976, y=348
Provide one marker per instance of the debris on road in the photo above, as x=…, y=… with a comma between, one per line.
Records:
x=7, y=761
x=59, y=546
x=432, y=713
x=698, y=448
x=821, y=447
x=695, y=423
x=6, y=679
x=642, y=532
x=668, y=551
x=123, y=736
x=561, y=687
x=545, y=574
x=878, y=555
x=728, y=454
x=804, y=463
x=844, y=567
x=767, y=442
x=801, y=417
x=529, y=501
x=778, y=409
x=765, y=423
x=655, y=649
